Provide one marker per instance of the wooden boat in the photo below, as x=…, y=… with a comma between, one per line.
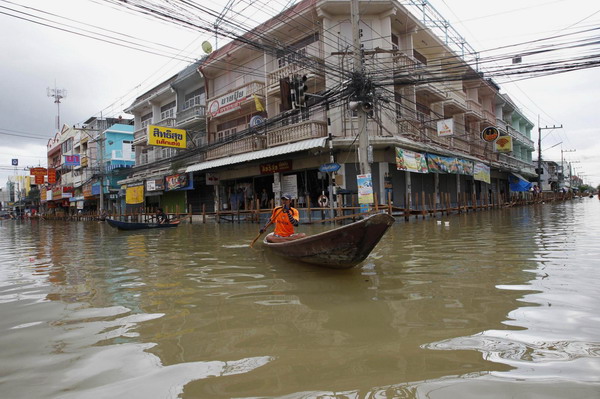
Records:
x=340, y=248
x=139, y=226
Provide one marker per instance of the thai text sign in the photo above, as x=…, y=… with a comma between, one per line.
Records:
x=411, y=161
x=51, y=175
x=274, y=167
x=166, y=137
x=227, y=103
x=71, y=160
x=37, y=171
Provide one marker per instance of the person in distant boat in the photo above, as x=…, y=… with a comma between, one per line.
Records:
x=286, y=218
x=161, y=218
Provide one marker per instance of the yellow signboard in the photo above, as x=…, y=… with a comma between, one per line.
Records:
x=134, y=195
x=166, y=137
x=504, y=144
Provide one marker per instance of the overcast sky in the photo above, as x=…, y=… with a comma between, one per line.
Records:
x=103, y=79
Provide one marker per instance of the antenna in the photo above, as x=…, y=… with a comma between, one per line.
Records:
x=57, y=94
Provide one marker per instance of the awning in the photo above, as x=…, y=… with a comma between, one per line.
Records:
x=518, y=183
x=251, y=156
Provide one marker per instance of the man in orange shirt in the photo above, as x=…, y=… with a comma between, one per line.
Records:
x=285, y=218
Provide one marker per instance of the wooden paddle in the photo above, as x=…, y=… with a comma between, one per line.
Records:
x=265, y=228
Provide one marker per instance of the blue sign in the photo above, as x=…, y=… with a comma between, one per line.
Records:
x=330, y=167
x=15, y=162
x=256, y=121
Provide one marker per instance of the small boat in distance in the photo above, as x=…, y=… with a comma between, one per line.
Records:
x=140, y=226
x=340, y=248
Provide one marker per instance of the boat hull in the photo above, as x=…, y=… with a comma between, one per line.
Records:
x=139, y=226
x=340, y=248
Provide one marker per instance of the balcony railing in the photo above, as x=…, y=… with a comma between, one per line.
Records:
x=247, y=144
x=297, y=132
x=474, y=107
x=250, y=88
x=305, y=68
x=194, y=113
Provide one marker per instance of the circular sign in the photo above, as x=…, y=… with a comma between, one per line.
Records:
x=256, y=120
x=213, y=108
x=490, y=134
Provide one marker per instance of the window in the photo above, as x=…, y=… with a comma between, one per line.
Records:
x=167, y=111
x=146, y=120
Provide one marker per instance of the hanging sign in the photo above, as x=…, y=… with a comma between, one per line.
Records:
x=51, y=175
x=504, y=144
x=37, y=171
x=490, y=134
x=330, y=167
x=445, y=127
x=166, y=137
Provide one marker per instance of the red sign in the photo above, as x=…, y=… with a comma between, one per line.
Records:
x=275, y=167
x=39, y=179
x=51, y=175
x=37, y=171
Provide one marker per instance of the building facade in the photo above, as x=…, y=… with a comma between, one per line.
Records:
x=268, y=112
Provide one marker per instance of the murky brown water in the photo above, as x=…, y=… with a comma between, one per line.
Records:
x=497, y=304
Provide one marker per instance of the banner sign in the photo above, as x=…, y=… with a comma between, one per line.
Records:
x=275, y=167
x=166, y=137
x=482, y=173
x=177, y=182
x=445, y=127
x=504, y=144
x=365, y=189
x=51, y=175
x=411, y=161
x=228, y=103
x=134, y=194
x=441, y=164
x=72, y=160
x=37, y=171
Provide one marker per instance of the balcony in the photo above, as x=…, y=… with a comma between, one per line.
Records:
x=308, y=68
x=233, y=100
x=489, y=117
x=297, y=132
x=456, y=102
x=247, y=144
x=474, y=109
x=118, y=155
x=191, y=115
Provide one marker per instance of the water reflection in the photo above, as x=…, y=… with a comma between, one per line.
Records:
x=436, y=311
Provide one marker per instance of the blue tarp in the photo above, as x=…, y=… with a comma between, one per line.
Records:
x=518, y=183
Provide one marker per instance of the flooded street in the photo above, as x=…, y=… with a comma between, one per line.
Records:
x=499, y=303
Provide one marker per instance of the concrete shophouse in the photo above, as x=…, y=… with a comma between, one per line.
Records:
x=259, y=136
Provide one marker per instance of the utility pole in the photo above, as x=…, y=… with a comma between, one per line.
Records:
x=562, y=163
x=539, y=168
x=57, y=94
x=363, y=138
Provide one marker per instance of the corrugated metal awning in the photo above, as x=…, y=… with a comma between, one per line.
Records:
x=251, y=156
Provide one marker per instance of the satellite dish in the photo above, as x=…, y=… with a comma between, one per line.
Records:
x=207, y=47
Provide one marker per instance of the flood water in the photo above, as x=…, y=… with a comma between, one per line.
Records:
x=498, y=304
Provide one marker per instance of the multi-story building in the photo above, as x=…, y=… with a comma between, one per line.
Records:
x=281, y=102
